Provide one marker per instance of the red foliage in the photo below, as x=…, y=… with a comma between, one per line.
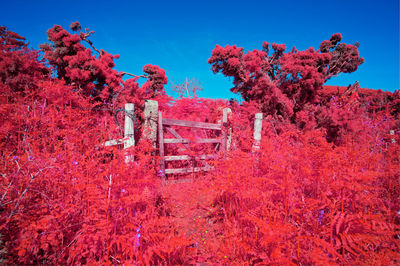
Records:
x=68, y=199
x=284, y=84
x=94, y=76
x=77, y=66
x=19, y=66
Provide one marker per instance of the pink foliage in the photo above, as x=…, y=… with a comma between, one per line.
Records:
x=93, y=76
x=284, y=84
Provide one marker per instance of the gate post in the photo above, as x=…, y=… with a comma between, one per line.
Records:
x=161, y=139
x=129, y=130
x=150, y=121
x=257, y=131
x=226, y=112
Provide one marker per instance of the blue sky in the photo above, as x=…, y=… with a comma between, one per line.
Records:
x=180, y=35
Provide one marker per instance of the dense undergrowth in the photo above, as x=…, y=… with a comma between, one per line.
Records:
x=321, y=194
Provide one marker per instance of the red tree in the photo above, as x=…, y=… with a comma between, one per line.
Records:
x=95, y=76
x=284, y=83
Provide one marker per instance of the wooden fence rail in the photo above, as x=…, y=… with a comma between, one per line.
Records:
x=183, y=123
x=167, y=123
x=153, y=127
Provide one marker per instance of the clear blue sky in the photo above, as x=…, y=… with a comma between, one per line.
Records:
x=179, y=36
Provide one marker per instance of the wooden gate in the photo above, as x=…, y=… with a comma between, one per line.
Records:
x=223, y=140
x=154, y=120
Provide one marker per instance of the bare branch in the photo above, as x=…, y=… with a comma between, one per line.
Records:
x=116, y=96
x=115, y=259
x=5, y=193
x=73, y=240
x=23, y=193
x=129, y=74
x=84, y=36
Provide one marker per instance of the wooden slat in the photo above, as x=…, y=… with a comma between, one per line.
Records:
x=194, y=141
x=161, y=147
x=187, y=170
x=187, y=157
x=113, y=142
x=176, y=135
x=182, y=123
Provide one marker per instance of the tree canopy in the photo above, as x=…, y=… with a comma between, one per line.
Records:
x=283, y=82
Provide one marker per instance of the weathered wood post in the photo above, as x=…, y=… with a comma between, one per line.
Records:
x=150, y=121
x=129, y=130
x=161, y=139
x=391, y=132
x=226, y=131
x=257, y=131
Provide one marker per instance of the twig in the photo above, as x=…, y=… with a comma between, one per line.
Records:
x=23, y=193
x=109, y=187
x=8, y=202
x=5, y=193
x=19, y=168
x=48, y=199
x=129, y=74
x=73, y=240
x=84, y=36
x=116, y=96
x=115, y=259
x=66, y=227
